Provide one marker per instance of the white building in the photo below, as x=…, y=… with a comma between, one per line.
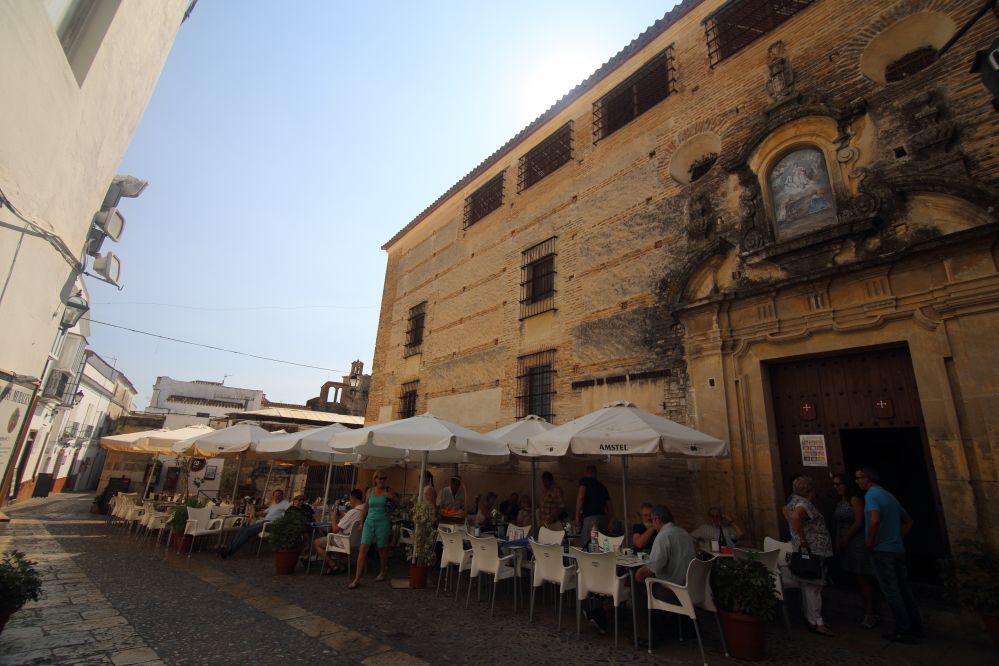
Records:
x=82, y=73
x=198, y=401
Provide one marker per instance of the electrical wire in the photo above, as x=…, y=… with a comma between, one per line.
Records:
x=53, y=239
x=199, y=308
x=222, y=349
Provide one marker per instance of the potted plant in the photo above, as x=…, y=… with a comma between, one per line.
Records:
x=178, y=521
x=19, y=583
x=972, y=579
x=746, y=597
x=423, y=550
x=285, y=536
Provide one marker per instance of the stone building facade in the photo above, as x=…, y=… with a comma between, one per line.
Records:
x=772, y=221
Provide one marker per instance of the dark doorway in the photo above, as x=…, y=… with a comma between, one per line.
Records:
x=899, y=456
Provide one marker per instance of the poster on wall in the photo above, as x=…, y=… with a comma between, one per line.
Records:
x=15, y=398
x=813, y=451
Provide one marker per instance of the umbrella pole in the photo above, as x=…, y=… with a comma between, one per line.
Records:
x=149, y=477
x=326, y=493
x=624, y=492
x=419, y=491
x=267, y=481
x=405, y=472
x=235, y=483
x=535, y=518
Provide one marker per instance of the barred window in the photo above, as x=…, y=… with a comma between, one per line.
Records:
x=545, y=158
x=640, y=92
x=407, y=399
x=537, y=279
x=484, y=200
x=739, y=23
x=536, y=385
x=414, y=329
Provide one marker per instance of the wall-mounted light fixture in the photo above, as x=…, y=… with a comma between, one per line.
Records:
x=76, y=307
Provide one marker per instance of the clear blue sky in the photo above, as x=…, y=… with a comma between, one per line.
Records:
x=287, y=141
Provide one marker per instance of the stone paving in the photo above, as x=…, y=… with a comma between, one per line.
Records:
x=110, y=599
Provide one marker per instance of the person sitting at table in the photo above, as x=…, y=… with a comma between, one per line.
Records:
x=672, y=552
x=720, y=527
x=277, y=509
x=643, y=533
x=510, y=507
x=484, y=515
x=523, y=518
x=344, y=524
x=299, y=505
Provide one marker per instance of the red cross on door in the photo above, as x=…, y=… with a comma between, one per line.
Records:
x=884, y=408
x=807, y=411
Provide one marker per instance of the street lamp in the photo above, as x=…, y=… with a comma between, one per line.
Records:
x=354, y=380
x=77, y=398
x=76, y=307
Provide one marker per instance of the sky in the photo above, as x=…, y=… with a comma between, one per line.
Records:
x=286, y=142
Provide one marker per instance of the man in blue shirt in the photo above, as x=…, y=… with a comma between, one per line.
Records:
x=886, y=524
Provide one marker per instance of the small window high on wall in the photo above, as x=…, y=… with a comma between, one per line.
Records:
x=739, y=23
x=801, y=193
x=536, y=385
x=414, y=329
x=407, y=399
x=635, y=95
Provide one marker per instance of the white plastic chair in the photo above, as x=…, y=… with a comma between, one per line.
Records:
x=486, y=560
x=200, y=523
x=549, y=568
x=609, y=544
x=262, y=536
x=456, y=554
x=344, y=543
x=783, y=578
x=696, y=593
x=550, y=537
x=598, y=575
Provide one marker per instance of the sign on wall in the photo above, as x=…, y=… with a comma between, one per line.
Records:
x=813, y=451
x=15, y=399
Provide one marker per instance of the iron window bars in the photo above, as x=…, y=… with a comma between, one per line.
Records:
x=484, y=200
x=407, y=399
x=635, y=95
x=537, y=279
x=740, y=22
x=545, y=157
x=536, y=385
x=414, y=329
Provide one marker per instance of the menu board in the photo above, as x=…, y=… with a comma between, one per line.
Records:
x=813, y=451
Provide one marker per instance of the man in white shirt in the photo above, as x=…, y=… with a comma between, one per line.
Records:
x=345, y=525
x=453, y=496
x=277, y=508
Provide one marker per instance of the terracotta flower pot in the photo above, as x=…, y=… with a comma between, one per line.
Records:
x=182, y=542
x=745, y=635
x=285, y=561
x=418, y=576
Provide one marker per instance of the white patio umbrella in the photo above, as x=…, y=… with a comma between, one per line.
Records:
x=515, y=435
x=622, y=429
x=435, y=440
x=234, y=440
x=157, y=442
x=126, y=441
x=310, y=445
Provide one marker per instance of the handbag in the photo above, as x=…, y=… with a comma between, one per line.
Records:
x=804, y=564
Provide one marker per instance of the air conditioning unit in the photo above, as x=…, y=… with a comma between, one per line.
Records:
x=55, y=387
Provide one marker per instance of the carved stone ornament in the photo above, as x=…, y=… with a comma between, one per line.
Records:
x=753, y=218
x=700, y=216
x=780, y=78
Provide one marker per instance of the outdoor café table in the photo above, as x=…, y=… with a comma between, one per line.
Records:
x=632, y=563
x=325, y=525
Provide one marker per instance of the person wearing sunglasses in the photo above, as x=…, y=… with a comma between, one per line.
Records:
x=377, y=529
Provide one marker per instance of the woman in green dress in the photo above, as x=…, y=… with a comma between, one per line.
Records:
x=377, y=529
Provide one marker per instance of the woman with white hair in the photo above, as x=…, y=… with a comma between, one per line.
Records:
x=809, y=532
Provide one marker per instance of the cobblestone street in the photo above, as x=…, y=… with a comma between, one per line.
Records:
x=109, y=599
